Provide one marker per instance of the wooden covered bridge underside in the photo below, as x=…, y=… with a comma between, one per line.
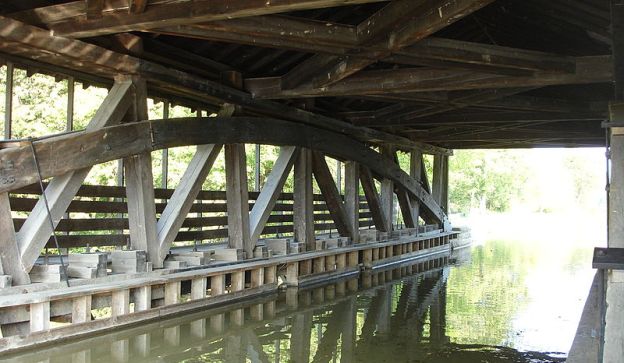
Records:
x=353, y=80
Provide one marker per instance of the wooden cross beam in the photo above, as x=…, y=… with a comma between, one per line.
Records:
x=57, y=153
x=69, y=19
x=397, y=25
x=335, y=41
x=596, y=69
x=35, y=232
x=80, y=56
x=334, y=201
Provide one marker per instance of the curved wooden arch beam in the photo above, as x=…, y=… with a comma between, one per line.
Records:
x=59, y=155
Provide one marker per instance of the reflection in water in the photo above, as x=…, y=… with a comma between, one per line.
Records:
x=426, y=312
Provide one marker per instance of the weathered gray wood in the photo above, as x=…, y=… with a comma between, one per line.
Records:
x=274, y=183
x=136, y=138
x=372, y=198
x=60, y=51
x=81, y=309
x=8, y=101
x=10, y=261
x=614, y=326
x=438, y=179
x=36, y=230
x=386, y=196
x=182, y=200
x=237, y=197
x=416, y=165
x=140, y=188
x=69, y=19
x=352, y=197
x=303, y=204
x=39, y=316
x=330, y=192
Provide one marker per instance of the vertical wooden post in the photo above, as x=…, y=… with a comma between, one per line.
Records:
x=303, y=208
x=198, y=288
x=238, y=281
x=270, y=274
x=339, y=176
x=39, y=316
x=143, y=298
x=120, y=304
x=292, y=273
x=257, y=277
x=257, y=168
x=8, y=101
x=140, y=188
x=614, y=327
x=445, y=184
x=416, y=173
x=237, y=197
x=352, y=197
x=10, y=259
x=172, y=292
x=70, y=104
x=387, y=190
x=217, y=285
x=81, y=309
x=165, y=152
x=438, y=178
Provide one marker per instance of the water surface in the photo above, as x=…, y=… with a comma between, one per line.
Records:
x=498, y=301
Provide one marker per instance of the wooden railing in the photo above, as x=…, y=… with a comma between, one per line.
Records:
x=97, y=216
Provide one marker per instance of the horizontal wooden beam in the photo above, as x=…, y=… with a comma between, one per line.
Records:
x=306, y=35
x=470, y=118
x=70, y=19
x=59, y=155
x=88, y=58
x=589, y=70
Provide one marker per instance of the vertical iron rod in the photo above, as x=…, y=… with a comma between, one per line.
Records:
x=47, y=205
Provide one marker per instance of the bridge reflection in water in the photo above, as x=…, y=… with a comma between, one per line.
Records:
x=393, y=315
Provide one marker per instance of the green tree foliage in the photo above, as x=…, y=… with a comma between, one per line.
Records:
x=484, y=179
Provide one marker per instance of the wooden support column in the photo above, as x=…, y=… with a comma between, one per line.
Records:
x=69, y=126
x=10, y=261
x=303, y=208
x=405, y=202
x=140, y=188
x=445, y=184
x=438, y=178
x=372, y=198
x=165, y=153
x=387, y=191
x=36, y=230
x=330, y=193
x=416, y=166
x=352, y=197
x=614, y=327
x=8, y=101
x=237, y=198
x=237, y=190
x=270, y=193
x=613, y=349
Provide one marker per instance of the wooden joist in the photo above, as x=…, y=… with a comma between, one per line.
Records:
x=81, y=56
x=340, y=40
x=68, y=19
x=596, y=69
